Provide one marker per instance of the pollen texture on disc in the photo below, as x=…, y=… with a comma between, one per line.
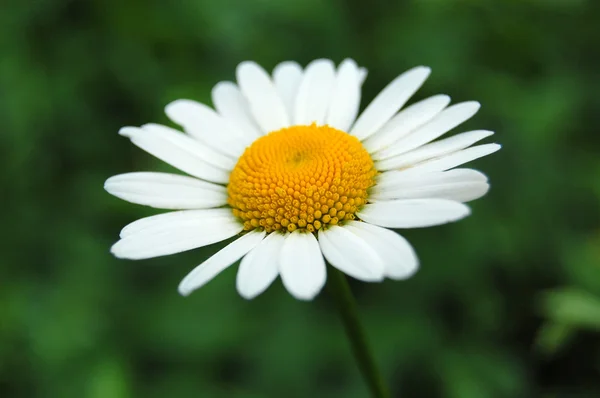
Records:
x=301, y=177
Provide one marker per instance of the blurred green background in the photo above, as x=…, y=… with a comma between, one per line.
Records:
x=506, y=304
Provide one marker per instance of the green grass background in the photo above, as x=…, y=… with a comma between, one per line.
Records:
x=506, y=304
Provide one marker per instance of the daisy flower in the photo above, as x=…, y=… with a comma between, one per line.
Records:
x=283, y=165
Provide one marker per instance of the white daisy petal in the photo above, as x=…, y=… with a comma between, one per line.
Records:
x=302, y=266
x=260, y=267
x=181, y=151
x=207, y=126
x=174, y=217
x=287, y=76
x=351, y=254
x=406, y=121
x=402, y=180
x=231, y=105
x=216, y=264
x=345, y=98
x=314, y=92
x=463, y=191
x=435, y=149
x=413, y=213
x=398, y=256
x=441, y=124
x=454, y=159
x=389, y=100
x=265, y=103
x=166, y=191
x=174, y=236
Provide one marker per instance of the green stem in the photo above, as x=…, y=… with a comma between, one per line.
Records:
x=340, y=290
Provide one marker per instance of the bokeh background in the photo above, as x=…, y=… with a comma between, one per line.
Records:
x=506, y=304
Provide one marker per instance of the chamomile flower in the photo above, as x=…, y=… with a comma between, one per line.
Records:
x=283, y=165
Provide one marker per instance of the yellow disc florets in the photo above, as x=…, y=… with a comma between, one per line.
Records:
x=300, y=177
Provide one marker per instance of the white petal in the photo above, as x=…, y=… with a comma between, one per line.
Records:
x=314, y=92
x=398, y=256
x=287, y=76
x=231, y=253
x=389, y=100
x=302, y=266
x=265, y=103
x=174, y=236
x=406, y=121
x=463, y=191
x=166, y=191
x=413, y=213
x=454, y=159
x=174, y=217
x=181, y=151
x=433, y=150
x=402, y=180
x=351, y=254
x=345, y=99
x=441, y=124
x=260, y=267
x=231, y=105
x=207, y=126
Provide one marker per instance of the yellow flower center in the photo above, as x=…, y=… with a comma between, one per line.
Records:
x=300, y=177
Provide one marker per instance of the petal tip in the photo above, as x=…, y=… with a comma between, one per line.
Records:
x=321, y=61
x=494, y=147
x=286, y=65
x=173, y=108
x=117, y=251
x=476, y=105
x=222, y=85
x=445, y=99
x=349, y=61
x=245, y=295
x=184, y=291
x=305, y=297
x=186, y=286
x=245, y=67
x=246, y=63
x=128, y=131
x=425, y=71
x=107, y=185
x=466, y=211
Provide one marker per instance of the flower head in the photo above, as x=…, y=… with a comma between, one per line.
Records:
x=283, y=166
